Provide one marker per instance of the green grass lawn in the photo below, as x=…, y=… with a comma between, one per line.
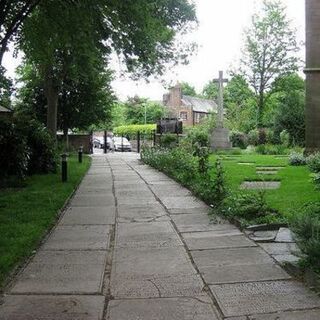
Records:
x=27, y=213
x=297, y=187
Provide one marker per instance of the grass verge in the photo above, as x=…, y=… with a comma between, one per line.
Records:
x=27, y=213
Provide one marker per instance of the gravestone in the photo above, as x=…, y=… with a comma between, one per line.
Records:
x=220, y=135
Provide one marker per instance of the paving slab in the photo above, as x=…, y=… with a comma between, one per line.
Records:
x=148, y=273
x=207, y=240
x=263, y=297
x=135, y=201
x=263, y=236
x=92, y=200
x=198, y=222
x=243, y=273
x=72, y=272
x=149, y=235
x=227, y=257
x=77, y=237
x=285, y=235
x=198, y=308
x=290, y=315
x=260, y=185
x=198, y=210
x=89, y=216
x=170, y=191
x=279, y=248
x=18, y=307
x=136, y=213
x=134, y=193
x=95, y=190
x=186, y=202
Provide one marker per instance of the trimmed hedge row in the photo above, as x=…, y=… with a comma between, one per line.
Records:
x=132, y=130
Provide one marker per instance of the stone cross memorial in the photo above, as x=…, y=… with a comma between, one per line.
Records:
x=220, y=135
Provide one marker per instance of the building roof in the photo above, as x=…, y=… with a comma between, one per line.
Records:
x=3, y=109
x=200, y=105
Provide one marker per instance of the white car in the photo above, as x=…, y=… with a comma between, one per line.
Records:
x=121, y=144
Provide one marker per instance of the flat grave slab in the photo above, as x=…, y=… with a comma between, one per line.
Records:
x=186, y=202
x=263, y=297
x=260, y=185
x=284, y=235
x=146, y=235
x=269, y=168
x=206, y=240
x=243, y=273
x=78, y=238
x=290, y=315
x=198, y=308
x=53, y=272
x=92, y=201
x=89, y=216
x=198, y=222
x=267, y=172
x=279, y=248
x=153, y=272
x=246, y=163
x=52, y=307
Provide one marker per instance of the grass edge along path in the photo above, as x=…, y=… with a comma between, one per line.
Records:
x=28, y=213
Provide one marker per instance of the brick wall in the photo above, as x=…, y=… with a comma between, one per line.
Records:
x=78, y=140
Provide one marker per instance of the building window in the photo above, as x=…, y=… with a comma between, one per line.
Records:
x=183, y=116
x=198, y=117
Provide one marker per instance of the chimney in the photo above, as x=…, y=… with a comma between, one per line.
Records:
x=175, y=96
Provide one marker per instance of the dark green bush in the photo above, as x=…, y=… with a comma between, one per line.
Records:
x=239, y=139
x=297, y=159
x=306, y=226
x=14, y=152
x=272, y=149
x=168, y=140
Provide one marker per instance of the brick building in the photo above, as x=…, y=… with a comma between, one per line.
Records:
x=190, y=110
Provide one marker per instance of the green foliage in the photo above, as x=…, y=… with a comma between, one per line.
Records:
x=219, y=187
x=168, y=141
x=297, y=159
x=269, y=52
x=249, y=208
x=272, y=149
x=14, y=156
x=131, y=131
x=285, y=138
x=313, y=162
x=140, y=111
x=188, y=90
x=203, y=155
x=6, y=89
x=210, y=91
x=306, y=226
x=253, y=137
x=239, y=139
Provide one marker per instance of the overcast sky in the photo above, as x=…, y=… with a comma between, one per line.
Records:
x=219, y=37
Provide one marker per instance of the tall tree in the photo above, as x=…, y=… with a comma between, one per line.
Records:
x=142, y=33
x=188, y=90
x=210, y=91
x=12, y=15
x=269, y=52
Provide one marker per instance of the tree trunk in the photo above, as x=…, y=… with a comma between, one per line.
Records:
x=51, y=93
x=260, y=110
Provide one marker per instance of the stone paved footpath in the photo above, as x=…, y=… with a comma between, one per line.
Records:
x=134, y=245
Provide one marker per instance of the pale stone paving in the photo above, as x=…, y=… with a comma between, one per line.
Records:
x=133, y=244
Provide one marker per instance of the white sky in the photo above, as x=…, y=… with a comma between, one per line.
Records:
x=219, y=37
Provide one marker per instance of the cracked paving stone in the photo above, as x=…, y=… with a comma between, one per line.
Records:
x=149, y=235
x=147, y=273
x=52, y=272
x=170, y=191
x=89, y=216
x=216, y=240
x=263, y=297
x=186, y=202
x=52, y=307
x=290, y=315
x=162, y=309
x=78, y=238
x=92, y=201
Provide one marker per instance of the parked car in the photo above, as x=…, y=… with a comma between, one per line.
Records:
x=121, y=144
x=96, y=143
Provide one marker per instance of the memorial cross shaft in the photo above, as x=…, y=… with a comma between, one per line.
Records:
x=220, y=82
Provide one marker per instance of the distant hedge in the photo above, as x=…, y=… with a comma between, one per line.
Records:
x=132, y=130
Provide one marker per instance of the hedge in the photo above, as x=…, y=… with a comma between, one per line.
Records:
x=132, y=130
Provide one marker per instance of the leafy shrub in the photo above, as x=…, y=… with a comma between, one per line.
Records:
x=249, y=208
x=132, y=130
x=297, y=159
x=239, y=139
x=313, y=162
x=306, y=226
x=285, y=138
x=14, y=153
x=168, y=140
x=203, y=154
x=316, y=179
x=271, y=149
x=253, y=137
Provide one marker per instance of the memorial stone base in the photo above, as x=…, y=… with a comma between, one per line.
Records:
x=220, y=139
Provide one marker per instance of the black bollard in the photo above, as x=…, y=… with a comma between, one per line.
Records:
x=138, y=142
x=64, y=167
x=80, y=152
